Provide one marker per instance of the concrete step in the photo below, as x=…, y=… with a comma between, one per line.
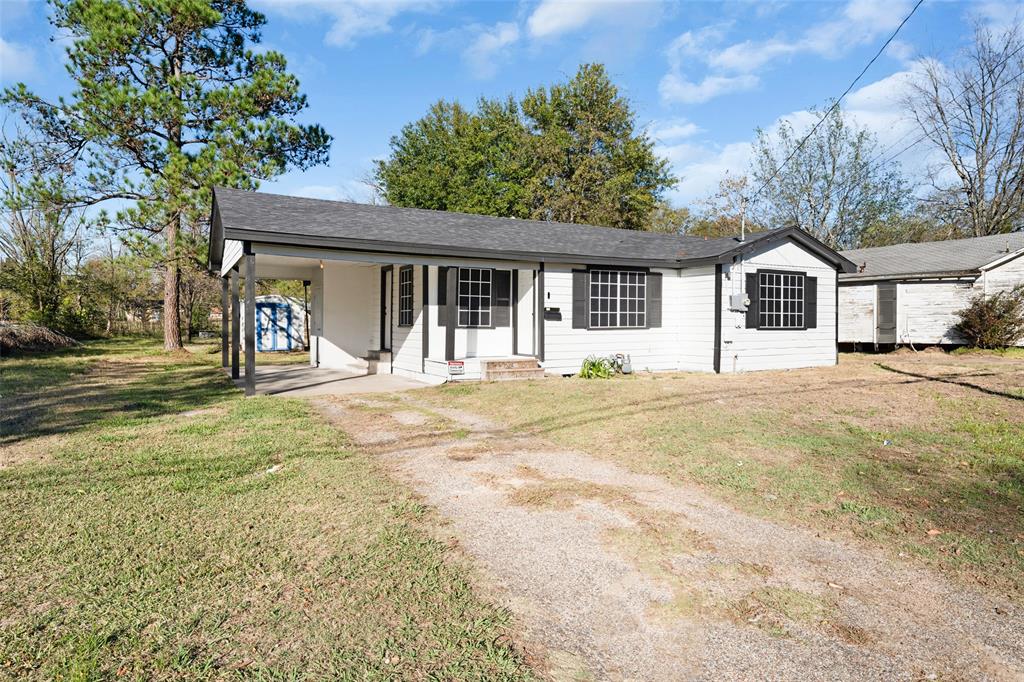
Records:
x=513, y=374
x=378, y=362
x=508, y=363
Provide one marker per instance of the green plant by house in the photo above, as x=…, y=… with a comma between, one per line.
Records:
x=994, y=321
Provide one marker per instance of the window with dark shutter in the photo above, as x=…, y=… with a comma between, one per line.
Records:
x=442, y=296
x=781, y=299
x=618, y=299
x=405, y=296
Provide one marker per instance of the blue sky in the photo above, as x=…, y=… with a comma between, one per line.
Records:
x=701, y=75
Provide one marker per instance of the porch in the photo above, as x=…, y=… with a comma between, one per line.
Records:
x=423, y=319
x=304, y=380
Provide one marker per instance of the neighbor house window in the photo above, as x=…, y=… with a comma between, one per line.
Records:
x=618, y=298
x=474, y=297
x=405, y=296
x=781, y=296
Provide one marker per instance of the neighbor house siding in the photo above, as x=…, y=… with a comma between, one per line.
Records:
x=857, y=313
x=755, y=349
x=926, y=311
x=566, y=348
x=1004, y=277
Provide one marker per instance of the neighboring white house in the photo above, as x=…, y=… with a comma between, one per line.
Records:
x=910, y=293
x=280, y=323
x=441, y=295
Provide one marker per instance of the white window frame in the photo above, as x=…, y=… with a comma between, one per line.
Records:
x=405, y=296
x=474, y=297
x=780, y=300
x=617, y=299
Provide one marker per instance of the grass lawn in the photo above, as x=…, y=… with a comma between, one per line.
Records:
x=918, y=454
x=154, y=524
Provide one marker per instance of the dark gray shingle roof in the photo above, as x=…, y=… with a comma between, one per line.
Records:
x=259, y=216
x=953, y=256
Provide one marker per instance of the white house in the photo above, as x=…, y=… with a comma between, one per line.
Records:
x=442, y=296
x=910, y=293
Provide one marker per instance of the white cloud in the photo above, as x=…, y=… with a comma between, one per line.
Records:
x=17, y=61
x=676, y=88
x=673, y=129
x=489, y=46
x=553, y=18
x=734, y=67
x=877, y=106
x=352, y=20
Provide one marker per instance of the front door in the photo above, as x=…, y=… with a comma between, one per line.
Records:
x=385, y=308
x=885, y=328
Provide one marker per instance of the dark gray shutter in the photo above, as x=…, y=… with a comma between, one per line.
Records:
x=654, y=299
x=442, y=296
x=501, y=303
x=580, y=298
x=752, y=293
x=811, y=302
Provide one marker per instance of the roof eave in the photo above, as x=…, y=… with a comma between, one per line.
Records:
x=813, y=244
x=943, y=274
x=379, y=246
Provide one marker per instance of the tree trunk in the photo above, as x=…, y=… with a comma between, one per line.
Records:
x=172, y=285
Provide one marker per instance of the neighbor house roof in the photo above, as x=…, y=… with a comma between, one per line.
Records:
x=946, y=258
x=273, y=218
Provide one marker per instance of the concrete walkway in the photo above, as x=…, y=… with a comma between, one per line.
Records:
x=303, y=380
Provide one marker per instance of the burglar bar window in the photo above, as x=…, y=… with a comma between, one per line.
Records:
x=618, y=298
x=405, y=296
x=781, y=300
x=474, y=297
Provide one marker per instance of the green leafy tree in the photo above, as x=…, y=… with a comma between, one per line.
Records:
x=568, y=153
x=829, y=186
x=592, y=165
x=456, y=160
x=170, y=100
x=722, y=213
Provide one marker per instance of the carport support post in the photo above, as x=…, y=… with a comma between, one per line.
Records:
x=236, y=323
x=250, y=321
x=224, y=322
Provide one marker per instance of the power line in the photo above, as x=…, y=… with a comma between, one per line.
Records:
x=835, y=105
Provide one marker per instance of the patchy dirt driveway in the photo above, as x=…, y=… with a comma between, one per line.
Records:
x=621, y=576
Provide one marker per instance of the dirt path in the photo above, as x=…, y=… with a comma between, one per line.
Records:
x=614, y=575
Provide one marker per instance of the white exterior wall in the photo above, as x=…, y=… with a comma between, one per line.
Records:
x=755, y=349
x=347, y=323
x=926, y=311
x=695, y=298
x=527, y=303
x=857, y=313
x=1004, y=277
x=407, y=342
x=566, y=348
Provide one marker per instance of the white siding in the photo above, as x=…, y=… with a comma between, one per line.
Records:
x=566, y=348
x=695, y=300
x=407, y=342
x=527, y=302
x=857, y=313
x=754, y=349
x=926, y=311
x=1006, y=276
x=232, y=252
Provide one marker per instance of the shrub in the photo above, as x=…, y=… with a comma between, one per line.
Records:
x=995, y=321
x=597, y=368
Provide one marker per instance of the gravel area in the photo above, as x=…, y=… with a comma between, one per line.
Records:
x=613, y=575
